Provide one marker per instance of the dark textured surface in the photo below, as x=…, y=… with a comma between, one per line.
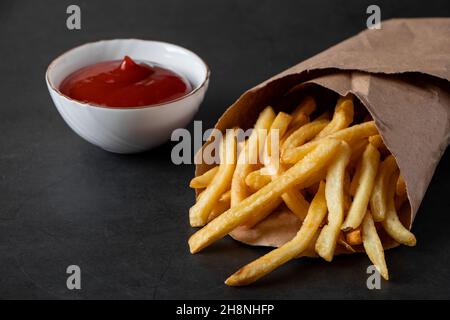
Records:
x=123, y=219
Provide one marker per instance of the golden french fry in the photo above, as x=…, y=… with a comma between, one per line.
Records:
x=392, y=223
x=304, y=134
x=265, y=200
x=343, y=116
x=377, y=142
x=324, y=116
x=358, y=208
x=300, y=115
x=204, y=180
x=349, y=135
x=199, y=212
x=255, y=180
x=277, y=257
x=355, y=179
x=276, y=133
x=400, y=189
x=357, y=150
x=378, y=203
x=292, y=198
x=334, y=192
x=295, y=201
x=221, y=206
x=306, y=107
x=372, y=245
x=353, y=237
x=226, y=197
x=248, y=157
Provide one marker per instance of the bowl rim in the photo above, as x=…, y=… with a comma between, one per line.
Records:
x=195, y=90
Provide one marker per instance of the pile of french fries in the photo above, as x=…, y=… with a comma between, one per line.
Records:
x=335, y=175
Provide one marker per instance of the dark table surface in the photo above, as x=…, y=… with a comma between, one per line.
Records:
x=124, y=218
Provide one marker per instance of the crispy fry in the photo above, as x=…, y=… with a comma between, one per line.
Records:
x=264, y=201
x=198, y=214
x=334, y=192
x=324, y=116
x=255, y=180
x=358, y=208
x=300, y=115
x=349, y=135
x=295, y=201
x=204, y=180
x=292, y=198
x=355, y=179
x=277, y=257
x=377, y=141
x=357, y=150
x=372, y=245
x=378, y=203
x=276, y=133
x=249, y=155
x=353, y=237
x=304, y=134
x=221, y=206
x=392, y=223
x=306, y=106
x=343, y=116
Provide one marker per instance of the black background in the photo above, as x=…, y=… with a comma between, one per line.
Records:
x=124, y=218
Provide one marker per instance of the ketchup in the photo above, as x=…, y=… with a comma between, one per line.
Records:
x=124, y=83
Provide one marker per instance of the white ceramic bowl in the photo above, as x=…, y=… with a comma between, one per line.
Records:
x=128, y=130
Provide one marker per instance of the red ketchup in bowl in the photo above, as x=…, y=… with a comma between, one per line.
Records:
x=124, y=84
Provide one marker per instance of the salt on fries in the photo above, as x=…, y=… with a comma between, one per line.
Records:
x=342, y=166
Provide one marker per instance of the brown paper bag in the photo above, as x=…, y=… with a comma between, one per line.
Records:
x=400, y=73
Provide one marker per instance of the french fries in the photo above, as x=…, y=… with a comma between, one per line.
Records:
x=301, y=114
x=343, y=116
x=334, y=193
x=262, y=202
x=204, y=180
x=221, y=206
x=343, y=167
x=304, y=133
x=372, y=245
x=378, y=203
x=249, y=155
x=198, y=214
x=289, y=250
x=255, y=180
x=358, y=208
x=349, y=135
x=392, y=223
